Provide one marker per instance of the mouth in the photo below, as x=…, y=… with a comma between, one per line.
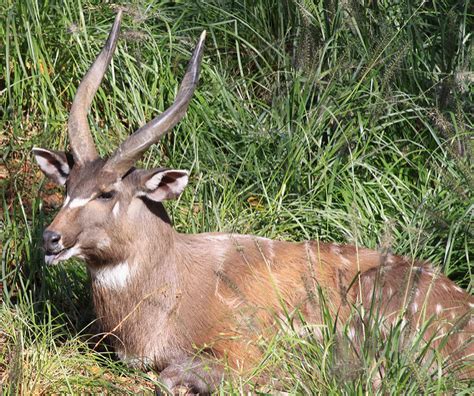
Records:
x=53, y=258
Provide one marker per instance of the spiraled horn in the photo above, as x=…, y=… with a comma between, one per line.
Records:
x=133, y=148
x=80, y=137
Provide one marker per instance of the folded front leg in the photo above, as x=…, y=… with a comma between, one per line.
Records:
x=195, y=374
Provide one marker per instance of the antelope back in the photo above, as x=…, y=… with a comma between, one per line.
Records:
x=423, y=303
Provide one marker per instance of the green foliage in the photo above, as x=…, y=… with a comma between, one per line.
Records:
x=342, y=121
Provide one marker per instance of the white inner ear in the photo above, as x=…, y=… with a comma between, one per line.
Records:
x=49, y=169
x=168, y=190
x=154, y=182
x=65, y=168
x=45, y=165
x=179, y=184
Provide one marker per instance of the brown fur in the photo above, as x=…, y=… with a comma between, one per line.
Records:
x=427, y=302
x=184, y=303
x=220, y=292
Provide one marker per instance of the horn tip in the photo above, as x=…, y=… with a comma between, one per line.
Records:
x=118, y=15
x=202, y=37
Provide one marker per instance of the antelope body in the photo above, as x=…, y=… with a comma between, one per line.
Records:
x=184, y=303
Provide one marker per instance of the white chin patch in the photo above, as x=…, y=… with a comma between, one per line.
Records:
x=65, y=254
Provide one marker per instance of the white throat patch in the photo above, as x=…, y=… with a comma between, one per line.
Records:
x=113, y=276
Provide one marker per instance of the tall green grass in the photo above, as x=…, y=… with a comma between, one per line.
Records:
x=340, y=121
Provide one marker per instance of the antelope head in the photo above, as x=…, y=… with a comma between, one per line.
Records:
x=103, y=194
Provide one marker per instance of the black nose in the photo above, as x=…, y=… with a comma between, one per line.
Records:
x=51, y=241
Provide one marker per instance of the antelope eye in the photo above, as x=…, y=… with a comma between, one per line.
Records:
x=106, y=195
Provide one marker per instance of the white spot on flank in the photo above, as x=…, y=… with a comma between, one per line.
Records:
x=236, y=238
x=351, y=333
x=233, y=303
x=414, y=307
x=112, y=276
x=345, y=261
x=439, y=308
x=404, y=323
x=471, y=305
x=78, y=202
x=390, y=292
x=417, y=293
x=218, y=237
x=390, y=259
x=335, y=249
x=458, y=289
x=315, y=330
x=116, y=209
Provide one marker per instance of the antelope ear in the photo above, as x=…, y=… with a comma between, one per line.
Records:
x=56, y=165
x=162, y=184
